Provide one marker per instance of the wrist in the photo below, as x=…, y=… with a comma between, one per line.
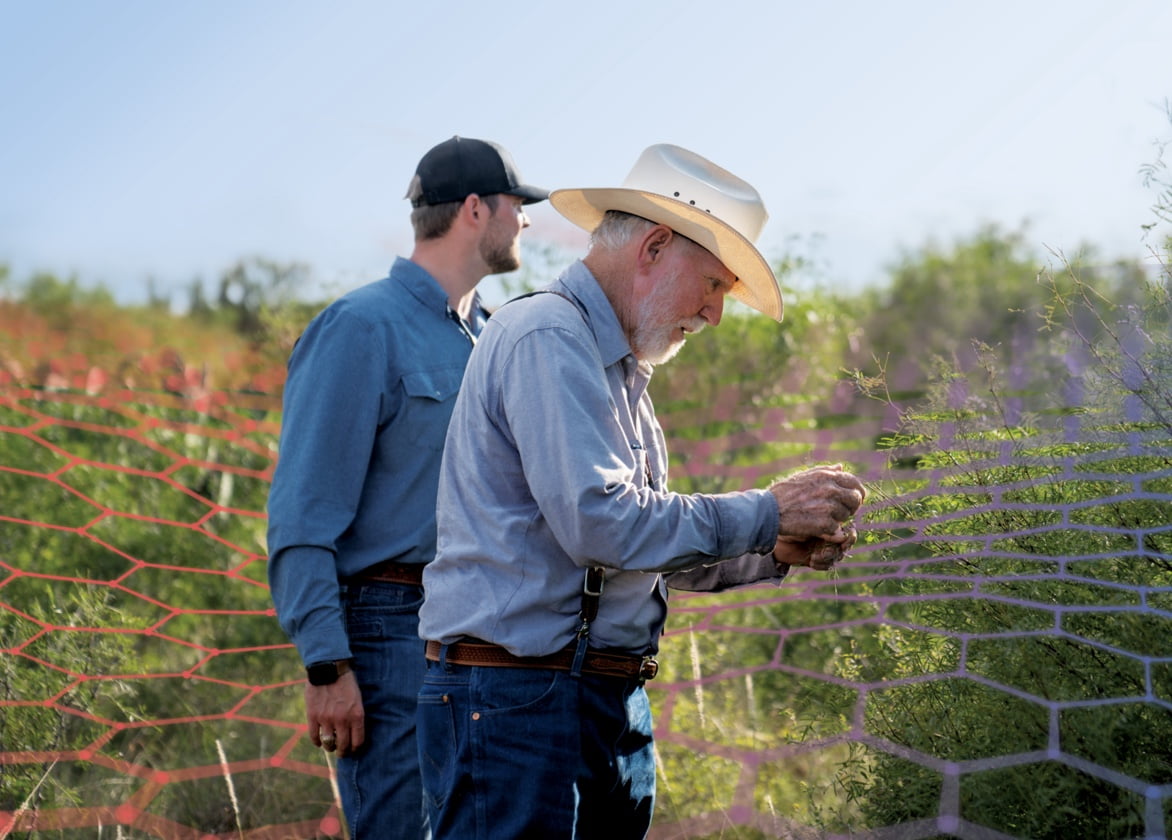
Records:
x=327, y=673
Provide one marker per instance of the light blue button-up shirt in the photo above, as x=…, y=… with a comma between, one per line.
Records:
x=554, y=463
x=371, y=386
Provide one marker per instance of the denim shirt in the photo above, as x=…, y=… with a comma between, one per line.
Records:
x=370, y=390
x=554, y=463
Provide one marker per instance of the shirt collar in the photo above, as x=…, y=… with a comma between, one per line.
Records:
x=425, y=288
x=583, y=287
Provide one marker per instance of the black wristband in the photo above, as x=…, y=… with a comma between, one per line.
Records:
x=326, y=673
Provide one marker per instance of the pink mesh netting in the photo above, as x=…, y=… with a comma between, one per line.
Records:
x=147, y=688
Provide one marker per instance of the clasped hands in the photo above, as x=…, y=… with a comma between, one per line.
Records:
x=815, y=506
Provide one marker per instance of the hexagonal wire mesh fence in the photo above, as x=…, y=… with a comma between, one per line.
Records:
x=993, y=660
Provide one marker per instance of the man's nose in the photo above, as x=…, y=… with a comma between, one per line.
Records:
x=713, y=310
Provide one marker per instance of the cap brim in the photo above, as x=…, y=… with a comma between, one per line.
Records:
x=528, y=194
x=756, y=287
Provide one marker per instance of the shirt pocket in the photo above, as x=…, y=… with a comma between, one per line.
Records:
x=430, y=396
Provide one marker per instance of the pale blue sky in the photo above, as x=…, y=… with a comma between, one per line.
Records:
x=166, y=139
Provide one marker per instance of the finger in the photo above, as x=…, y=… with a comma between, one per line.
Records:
x=357, y=734
x=823, y=556
x=849, y=500
x=349, y=738
x=848, y=479
x=840, y=536
x=327, y=740
x=848, y=503
x=854, y=488
x=843, y=537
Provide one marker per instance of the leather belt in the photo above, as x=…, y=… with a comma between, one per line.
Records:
x=390, y=572
x=625, y=665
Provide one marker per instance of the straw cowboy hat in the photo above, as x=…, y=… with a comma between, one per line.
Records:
x=697, y=199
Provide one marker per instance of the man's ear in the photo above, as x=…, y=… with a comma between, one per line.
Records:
x=474, y=210
x=652, y=246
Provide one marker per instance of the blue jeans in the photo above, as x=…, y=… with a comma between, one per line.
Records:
x=529, y=753
x=382, y=795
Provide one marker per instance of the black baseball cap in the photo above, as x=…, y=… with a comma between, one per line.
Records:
x=457, y=168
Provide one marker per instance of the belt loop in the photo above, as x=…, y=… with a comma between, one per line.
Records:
x=443, y=658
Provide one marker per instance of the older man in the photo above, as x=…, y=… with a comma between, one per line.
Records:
x=557, y=534
x=371, y=386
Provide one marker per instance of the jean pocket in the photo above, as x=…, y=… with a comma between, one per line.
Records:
x=438, y=739
x=504, y=690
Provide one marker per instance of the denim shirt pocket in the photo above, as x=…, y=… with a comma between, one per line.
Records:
x=427, y=409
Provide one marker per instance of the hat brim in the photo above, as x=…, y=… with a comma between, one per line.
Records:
x=756, y=287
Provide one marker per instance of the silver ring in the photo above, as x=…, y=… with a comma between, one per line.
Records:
x=328, y=742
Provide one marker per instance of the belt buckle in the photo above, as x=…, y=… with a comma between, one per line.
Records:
x=648, y=668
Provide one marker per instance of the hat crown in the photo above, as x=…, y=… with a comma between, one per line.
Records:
x=700, y=201
x=461, y=166
x=675, y=172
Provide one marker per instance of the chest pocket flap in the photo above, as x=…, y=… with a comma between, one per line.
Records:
x=439, y=384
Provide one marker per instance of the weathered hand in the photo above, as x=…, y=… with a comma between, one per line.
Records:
x=814, y=502
x=335, y=715
x=816, y=552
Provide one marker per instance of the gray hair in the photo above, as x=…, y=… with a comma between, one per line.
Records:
x=617, y=229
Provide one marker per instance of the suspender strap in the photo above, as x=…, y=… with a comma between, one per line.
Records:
x=591, y=593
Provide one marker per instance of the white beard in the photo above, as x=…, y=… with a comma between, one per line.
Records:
x=655, y=338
